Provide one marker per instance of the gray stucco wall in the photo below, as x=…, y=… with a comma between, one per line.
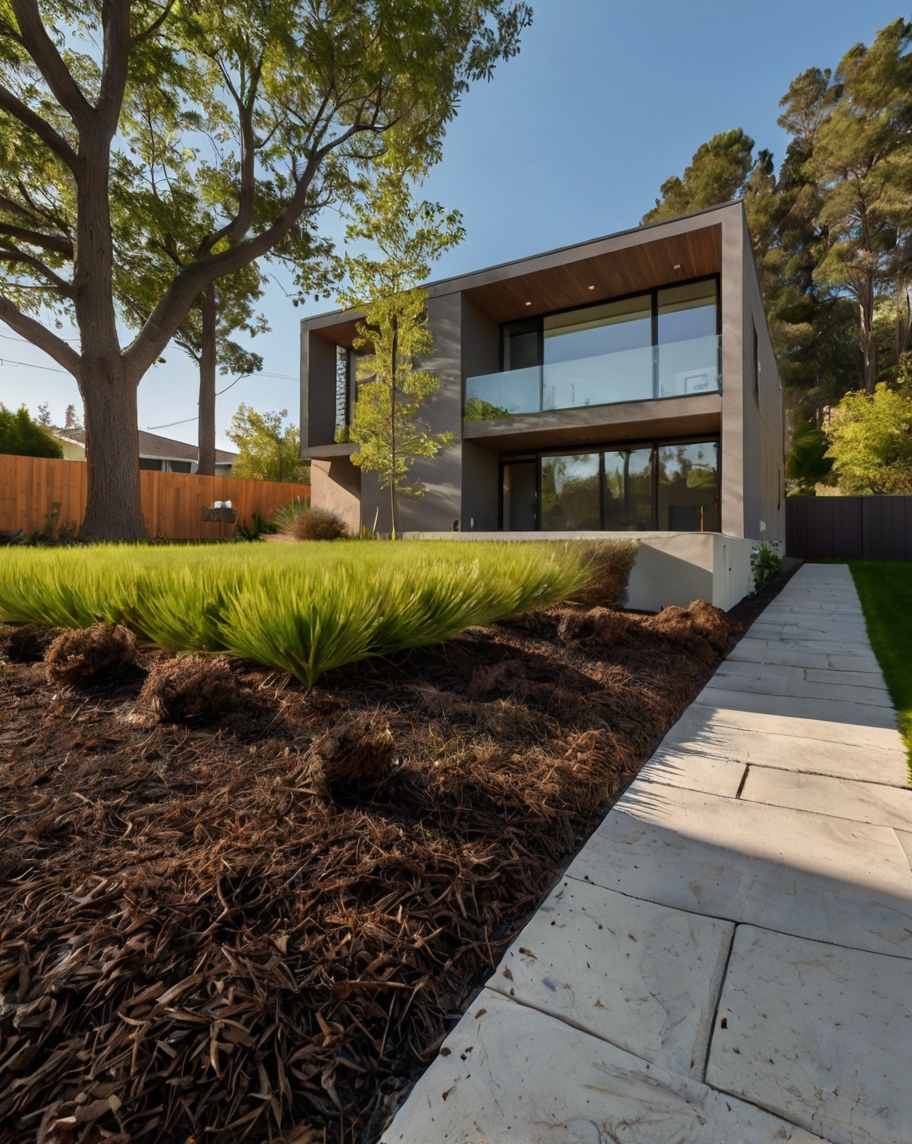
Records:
x=480, y=466
x=318, y=388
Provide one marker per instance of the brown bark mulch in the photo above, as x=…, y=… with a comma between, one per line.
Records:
x=265, y=924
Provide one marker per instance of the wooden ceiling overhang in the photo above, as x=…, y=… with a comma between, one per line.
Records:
x=603, y=275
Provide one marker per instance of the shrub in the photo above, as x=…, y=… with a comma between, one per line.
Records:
x=610, y=563
x=353, y=758
x=80, y=658
x=315, y=524
x=191, y=687
x=301, y=609
x=284, y=517
x=766, y=565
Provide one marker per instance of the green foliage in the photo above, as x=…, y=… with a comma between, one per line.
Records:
x=286, y=514
x=256, y=527
x=717, y=173
x=23, y=437
x=477, y=409
x=766, y=565
x=302, y=609
x=409, y=236
x=885, y=590
x=871, y=442
x=268, y=450
x=808, y=465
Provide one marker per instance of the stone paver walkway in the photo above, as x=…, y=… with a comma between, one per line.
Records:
x=729, y=958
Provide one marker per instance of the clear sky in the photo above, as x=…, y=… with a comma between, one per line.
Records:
x=569, y=141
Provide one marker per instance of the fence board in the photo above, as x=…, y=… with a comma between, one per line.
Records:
x=171, y=502
x=849, y=528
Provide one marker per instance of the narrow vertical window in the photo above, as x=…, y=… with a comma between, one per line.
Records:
x=755, y=355
x=342, y=375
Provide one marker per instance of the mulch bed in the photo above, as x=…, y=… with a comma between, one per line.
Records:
x=228, y=930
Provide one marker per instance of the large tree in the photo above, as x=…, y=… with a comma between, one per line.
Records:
x=302, y=96
x=861, y=163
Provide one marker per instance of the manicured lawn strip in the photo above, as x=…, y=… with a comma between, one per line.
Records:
x=303, y=609
x=885, y=590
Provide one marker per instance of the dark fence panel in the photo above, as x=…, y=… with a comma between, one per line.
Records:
x=849, y=528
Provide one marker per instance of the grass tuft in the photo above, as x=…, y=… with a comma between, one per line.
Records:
x=303, y=609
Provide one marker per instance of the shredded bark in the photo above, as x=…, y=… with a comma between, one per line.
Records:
x=266, y=925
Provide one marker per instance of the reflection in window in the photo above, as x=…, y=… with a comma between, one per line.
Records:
x=570, y=492
x=688, y=351
x=608, y=329
x=689, y=487
x=628, y=490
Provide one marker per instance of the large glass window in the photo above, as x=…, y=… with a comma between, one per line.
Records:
x=628, y=490
x=668, y=487
x=688, y=492
x=688, y=348
x=570, y=492
x=598, y=354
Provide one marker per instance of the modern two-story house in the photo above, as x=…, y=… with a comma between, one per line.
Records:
x=623, y=385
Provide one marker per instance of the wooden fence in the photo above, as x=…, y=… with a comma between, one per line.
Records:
x=849, y=528
x=172, y=502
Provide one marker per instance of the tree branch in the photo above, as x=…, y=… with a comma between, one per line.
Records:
x=40, y=47
x=35, y=238
x=45, y=132
x=115, y=22
x=40, y=336
x=148, y=33
x=11, y=253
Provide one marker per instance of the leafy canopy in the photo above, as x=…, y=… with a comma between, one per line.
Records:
x=871, y=442
x=268, y=449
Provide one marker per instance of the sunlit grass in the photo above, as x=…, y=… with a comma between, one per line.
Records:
x=885, y=590
x=304, y=608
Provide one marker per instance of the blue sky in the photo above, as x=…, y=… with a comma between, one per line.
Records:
x=569, y=141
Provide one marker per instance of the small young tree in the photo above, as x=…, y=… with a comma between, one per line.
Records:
x=386, y=424
x=69, y=418
x=269, y=450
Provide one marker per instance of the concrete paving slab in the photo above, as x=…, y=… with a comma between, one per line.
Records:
x=791, y=632
x=640, y=975
x=821, y=673
x=879, y=752
x=758, y=653
x=858, y=715
x=512, y=1075
x=859, y=651
x=817, y=1034
x=811, y=875
x=793, y=682
x=695, y=772
x=859, y=802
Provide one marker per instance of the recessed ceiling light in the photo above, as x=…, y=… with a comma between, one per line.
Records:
x=591, y=287
x=678, y=266
x=528, y=303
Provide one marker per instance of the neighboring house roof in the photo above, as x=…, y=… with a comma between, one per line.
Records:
x=154, y=447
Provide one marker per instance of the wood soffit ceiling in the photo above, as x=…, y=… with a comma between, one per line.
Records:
x=613, y=274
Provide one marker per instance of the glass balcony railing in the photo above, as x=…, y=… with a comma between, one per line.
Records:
x=673, y=369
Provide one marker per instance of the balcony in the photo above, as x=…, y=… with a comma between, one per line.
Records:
x=671, y=369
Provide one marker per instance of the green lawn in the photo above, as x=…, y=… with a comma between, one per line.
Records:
x=885, y=589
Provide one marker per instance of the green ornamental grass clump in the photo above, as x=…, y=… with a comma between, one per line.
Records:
x=304, y=608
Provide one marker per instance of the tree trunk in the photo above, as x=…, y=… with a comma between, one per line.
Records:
x=206, y=424
x=113, y=506
x=866, y=306
x=393, y=426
